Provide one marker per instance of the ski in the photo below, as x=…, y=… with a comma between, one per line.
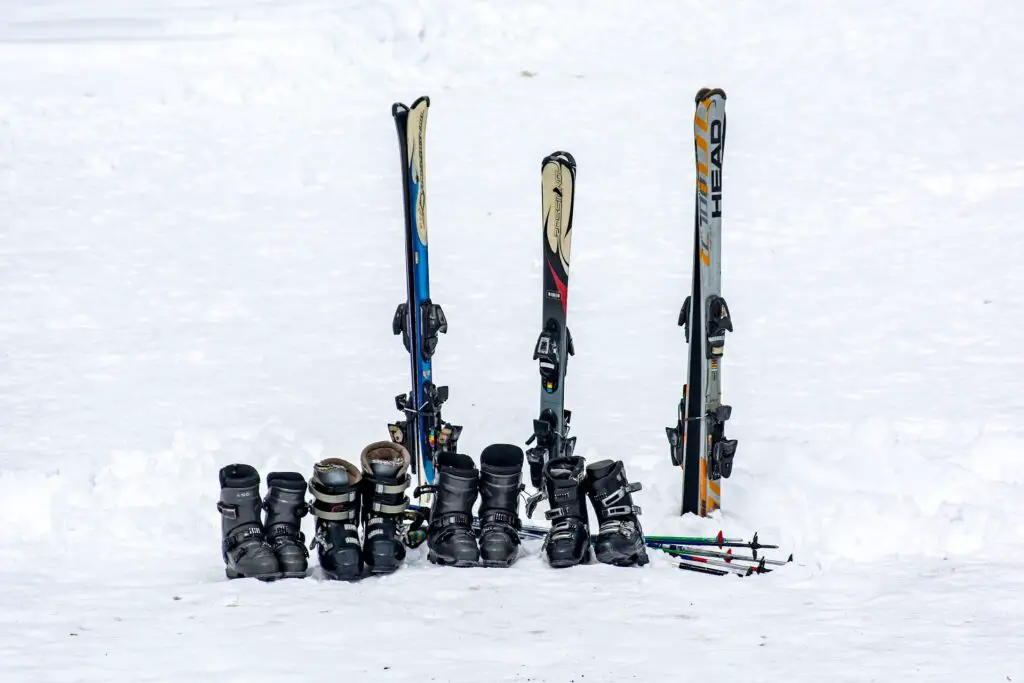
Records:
x=419, y=320
x=554, y=345
x=697, y=441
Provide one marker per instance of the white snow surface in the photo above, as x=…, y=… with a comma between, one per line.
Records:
x=201, y=251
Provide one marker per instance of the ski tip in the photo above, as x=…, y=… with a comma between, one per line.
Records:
x=424, y=100
x=561, y=157
x=790, y=558
x=705, y=93
x=720, y=538
x=398, y=109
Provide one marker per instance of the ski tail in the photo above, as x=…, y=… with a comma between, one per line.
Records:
x=419, y=320
x=554, y=345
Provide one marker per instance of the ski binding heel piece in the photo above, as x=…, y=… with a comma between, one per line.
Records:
x=719, y=322
x=432, y=323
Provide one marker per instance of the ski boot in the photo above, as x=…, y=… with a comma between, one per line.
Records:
x=620, y=539
x=568, y=542
x=244, y=547
x=285, y=508
x=385, y=479
x=335, y=488
x=501, y=477
x=450, y=535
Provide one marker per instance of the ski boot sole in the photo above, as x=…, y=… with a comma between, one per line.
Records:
x=498, y=564
x=233, y=574
x=563, y=564
x=638, y=560
x=444, y=562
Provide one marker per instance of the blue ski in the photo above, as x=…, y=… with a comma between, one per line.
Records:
x=423, y=432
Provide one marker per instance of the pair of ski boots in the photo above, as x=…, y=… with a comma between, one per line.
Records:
x=451, y=538
x=261, y=538
x=568, y=482
x=372, y=496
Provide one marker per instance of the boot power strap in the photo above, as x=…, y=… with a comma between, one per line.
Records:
x=334, y=515
x=386, y=509
x=332, y=498
x=400, y=487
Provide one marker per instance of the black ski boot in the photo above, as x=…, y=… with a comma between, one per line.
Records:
x=568, y=542
x=285, y=508
x=335, y=488
x=501, y=479
x=246, y=552
x=385, y=479
x=450, y=536
x=620, y=539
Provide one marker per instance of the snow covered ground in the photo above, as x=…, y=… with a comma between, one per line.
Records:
x=200, y=254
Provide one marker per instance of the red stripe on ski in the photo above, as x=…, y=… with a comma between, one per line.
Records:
x=563, y=291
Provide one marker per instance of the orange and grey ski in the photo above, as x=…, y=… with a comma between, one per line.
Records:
x=698, y=443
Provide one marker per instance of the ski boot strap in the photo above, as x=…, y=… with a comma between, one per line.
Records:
x=571, y=505
x=452, y=519
x=281, y=534
x=332, y=498
x=388, y=489
x=565, y=528
x=572, y=511
x=242, y=536
x=300, y=510
x=499, y=518
x=621, y=510
x=231, y=511
x=351, y=537
x=606, y=502
x=390, y=510
x=339, y=513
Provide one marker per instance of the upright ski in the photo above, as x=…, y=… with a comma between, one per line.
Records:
x=554, y=345
x=697, y=441
x=423, y=431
